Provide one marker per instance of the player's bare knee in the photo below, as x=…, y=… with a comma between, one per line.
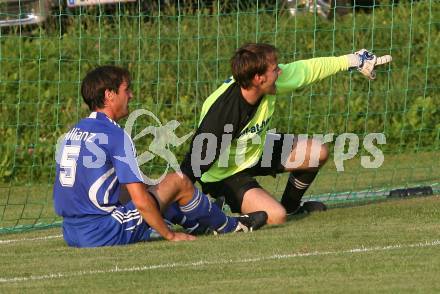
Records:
x=181, y=187
x=186, y=187
x=323, y=155
x=276, y=216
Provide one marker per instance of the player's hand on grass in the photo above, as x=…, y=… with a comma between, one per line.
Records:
x=176, y=236
x=365, y=62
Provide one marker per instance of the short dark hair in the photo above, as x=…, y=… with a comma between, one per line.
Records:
x=251, y=59
x=107, y=77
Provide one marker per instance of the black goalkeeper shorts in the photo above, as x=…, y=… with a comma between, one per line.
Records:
x=234, y=187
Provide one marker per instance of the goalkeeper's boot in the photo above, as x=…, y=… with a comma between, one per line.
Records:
x=251, y=221
x=308, y=207
x=312, y=206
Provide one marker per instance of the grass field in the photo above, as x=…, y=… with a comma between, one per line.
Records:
x=391, y=247
x=177, y=59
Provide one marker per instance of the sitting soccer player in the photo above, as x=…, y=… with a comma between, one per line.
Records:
x=232, y=144
x=97, y=157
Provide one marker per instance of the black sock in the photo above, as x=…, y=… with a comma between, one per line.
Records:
x=296, y=186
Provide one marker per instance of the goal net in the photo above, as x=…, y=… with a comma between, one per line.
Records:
x=178, y=52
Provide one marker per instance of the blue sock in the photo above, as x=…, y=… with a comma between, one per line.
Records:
x=201, y=209
x=176, y=217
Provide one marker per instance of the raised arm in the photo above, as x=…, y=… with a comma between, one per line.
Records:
x=305, y=72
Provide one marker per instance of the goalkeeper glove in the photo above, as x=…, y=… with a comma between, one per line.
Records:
x=365, y=62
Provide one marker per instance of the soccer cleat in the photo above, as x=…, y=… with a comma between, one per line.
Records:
x=312, y=206
x=308, y=207
x=251, y=221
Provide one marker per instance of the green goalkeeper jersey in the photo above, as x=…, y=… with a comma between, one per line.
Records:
x=240, y=128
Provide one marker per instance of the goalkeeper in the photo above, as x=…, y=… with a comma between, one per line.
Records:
x=232, y=144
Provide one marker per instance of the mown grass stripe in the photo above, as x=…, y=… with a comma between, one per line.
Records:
x=116, y=269
x=30, y=239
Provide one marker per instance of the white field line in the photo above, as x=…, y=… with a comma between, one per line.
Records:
x=30, y=239
x=199, y=263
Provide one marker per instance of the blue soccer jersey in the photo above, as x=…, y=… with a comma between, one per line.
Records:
x=94, y=158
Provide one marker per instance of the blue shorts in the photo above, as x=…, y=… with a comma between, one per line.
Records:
x=123, y=226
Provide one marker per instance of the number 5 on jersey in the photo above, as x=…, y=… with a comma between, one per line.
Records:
x=68, y=163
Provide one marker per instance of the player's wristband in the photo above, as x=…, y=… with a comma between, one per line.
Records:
x=354, y=61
